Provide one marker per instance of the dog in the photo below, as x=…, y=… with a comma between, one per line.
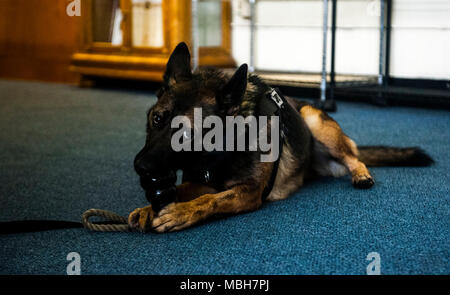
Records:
x=313, y=144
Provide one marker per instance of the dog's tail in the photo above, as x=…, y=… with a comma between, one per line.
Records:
x=393, y=156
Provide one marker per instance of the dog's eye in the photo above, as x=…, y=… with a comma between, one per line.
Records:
x=157, y=119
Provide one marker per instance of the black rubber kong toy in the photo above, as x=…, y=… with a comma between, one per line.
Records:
x=160, y=191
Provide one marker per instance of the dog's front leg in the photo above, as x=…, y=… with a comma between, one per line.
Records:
x=141, y=218
x=187, y=211
x=177, y=216
x=180, y=215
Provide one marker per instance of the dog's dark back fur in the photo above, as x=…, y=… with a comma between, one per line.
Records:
x=220, y=95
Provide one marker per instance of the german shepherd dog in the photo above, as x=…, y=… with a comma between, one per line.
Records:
x=314, y=145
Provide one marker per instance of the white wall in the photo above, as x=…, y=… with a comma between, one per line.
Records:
x=421, y=39
x=289, y=36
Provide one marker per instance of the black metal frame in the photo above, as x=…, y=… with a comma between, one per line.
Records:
x=421, y=92
x=387, y=77
x=330, y=104
x=385, y=47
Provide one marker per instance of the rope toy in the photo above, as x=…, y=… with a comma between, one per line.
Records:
x=159, y=192
x=116, y=223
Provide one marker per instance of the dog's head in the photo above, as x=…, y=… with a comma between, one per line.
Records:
x=182, y=91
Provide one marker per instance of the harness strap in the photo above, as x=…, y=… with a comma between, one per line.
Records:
x=276, y=96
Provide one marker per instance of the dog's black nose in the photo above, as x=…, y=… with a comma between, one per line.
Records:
x=142, y=167
x=143, y=163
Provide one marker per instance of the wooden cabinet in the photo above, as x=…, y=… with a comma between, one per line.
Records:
x=133, y=39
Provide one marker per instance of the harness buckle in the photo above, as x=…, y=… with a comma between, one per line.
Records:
x=276, y=98
x=207, y=178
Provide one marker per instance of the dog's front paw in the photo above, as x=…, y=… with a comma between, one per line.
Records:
x=141, y=219
x=362, y=181
x=173, y=217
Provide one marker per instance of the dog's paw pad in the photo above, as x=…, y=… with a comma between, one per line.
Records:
x=363, y=182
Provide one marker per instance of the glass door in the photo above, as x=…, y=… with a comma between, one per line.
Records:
x=147, y=23
x=210, y=23
x=104, y=25
x=214, y=29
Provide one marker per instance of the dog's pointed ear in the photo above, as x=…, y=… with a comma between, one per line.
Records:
x=232, y=93
x=179, y=65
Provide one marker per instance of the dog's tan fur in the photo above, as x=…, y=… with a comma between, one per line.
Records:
x=329, y=136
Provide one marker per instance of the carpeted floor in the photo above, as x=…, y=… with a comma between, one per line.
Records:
x=66, y=149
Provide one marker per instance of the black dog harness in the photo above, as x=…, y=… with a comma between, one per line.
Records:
x=280, y=103
x=212, y=174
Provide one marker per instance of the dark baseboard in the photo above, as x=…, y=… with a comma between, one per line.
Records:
x=420, y=83
x=400, y=92
x=398, y=95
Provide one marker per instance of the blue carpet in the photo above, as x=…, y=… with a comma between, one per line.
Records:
x=66, y=149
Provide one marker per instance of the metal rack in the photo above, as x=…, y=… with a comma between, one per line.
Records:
x=326, y=82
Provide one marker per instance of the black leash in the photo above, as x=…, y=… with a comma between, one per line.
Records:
x=26, y=226
x=112, y=223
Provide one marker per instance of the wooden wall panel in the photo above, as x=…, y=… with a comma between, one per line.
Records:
x=37, y=39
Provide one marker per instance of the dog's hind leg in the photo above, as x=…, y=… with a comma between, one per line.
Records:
x=334, y=152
